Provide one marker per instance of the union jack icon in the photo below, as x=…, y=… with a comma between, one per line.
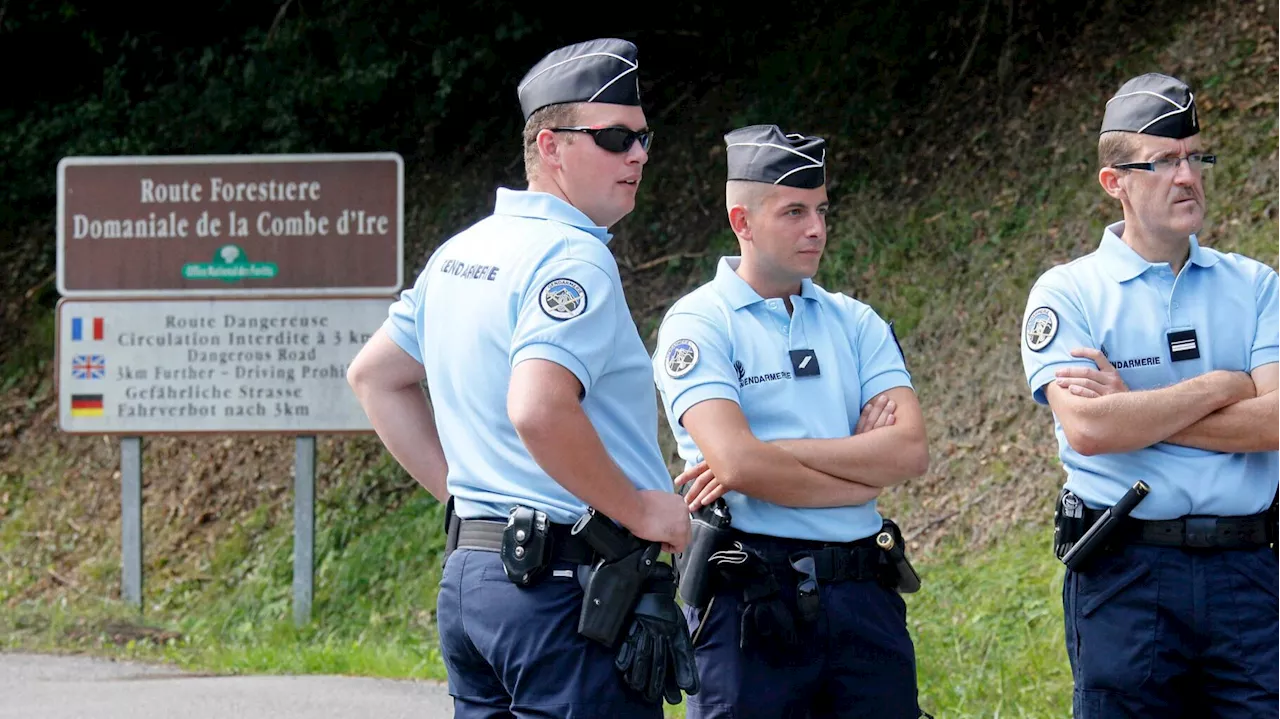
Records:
x=88, y=366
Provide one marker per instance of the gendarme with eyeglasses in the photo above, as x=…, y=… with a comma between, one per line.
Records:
x=1158, y=357
x=542, y=408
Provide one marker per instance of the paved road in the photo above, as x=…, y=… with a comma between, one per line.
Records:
x=71, y=687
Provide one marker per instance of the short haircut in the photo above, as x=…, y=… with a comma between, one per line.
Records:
x=1116, y=147
x=561, y=115
x=746, y=193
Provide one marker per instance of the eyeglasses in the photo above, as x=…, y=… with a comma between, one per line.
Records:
x=808, y=599
x=613, y=139
x=1197, y=161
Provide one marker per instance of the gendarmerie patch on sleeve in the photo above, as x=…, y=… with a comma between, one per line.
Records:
x=563, y=299
x=682, y=357
x=1042, y=327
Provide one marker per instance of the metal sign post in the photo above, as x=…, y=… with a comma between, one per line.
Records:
x=131, y=520
x=304, y=525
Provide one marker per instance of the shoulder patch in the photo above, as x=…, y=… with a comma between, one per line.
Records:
x=682, y=357
x=1041, y=328
x=563, y=299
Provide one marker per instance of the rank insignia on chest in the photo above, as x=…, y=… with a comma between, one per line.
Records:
x=805, y=363
x=1183, y=346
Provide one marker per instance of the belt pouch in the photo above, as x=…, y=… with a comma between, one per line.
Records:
x=526, y=546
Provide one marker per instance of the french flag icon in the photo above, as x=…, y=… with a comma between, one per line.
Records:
x=79, y=327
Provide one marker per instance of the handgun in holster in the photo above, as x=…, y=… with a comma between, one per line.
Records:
x=709, y=533
x=903, y=576
x=612, y=585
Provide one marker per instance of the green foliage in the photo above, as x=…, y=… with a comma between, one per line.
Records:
x=987, y=628
x=988, y=631
x=431, y=80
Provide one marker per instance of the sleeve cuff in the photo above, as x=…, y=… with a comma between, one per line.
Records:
x=1045, y=375
x=702, y=393
x=883, y=382
x=560, y=356
x=404, y=340
x=1263, y=356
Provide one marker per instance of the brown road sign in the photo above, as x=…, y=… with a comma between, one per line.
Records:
x=231, y=225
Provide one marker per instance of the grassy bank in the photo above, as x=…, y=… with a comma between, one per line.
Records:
x=987, y=627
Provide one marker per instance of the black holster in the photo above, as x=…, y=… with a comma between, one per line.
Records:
x=612, y=585
x=452, y=524
x=1069, y=523
x=710, y=532
x=898, y=573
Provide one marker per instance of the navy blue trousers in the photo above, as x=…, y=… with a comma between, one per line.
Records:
x=516, y=652
x=1169, y=632
x=856, y=659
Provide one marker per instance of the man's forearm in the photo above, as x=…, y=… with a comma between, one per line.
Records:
x=881, y=458
x=1128, y=421
x=581, y=465
x=405, y=424
x=769, y=473
x=1246, y=426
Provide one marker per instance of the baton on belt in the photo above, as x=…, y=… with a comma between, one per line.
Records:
x=1094, y=539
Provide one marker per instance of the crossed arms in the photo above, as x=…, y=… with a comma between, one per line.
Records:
x=888, y=446
x=1221, y=411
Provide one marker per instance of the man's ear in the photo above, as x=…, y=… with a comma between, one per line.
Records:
x=740, y=222
x=1109, y=178
x=550, y=148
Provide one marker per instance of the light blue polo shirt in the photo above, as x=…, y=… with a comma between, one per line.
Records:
x=535, y=280
x=723, y=341
x=1115, y=301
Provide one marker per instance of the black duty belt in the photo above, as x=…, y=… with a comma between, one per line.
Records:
x=486, y=535
x=851, y=561
x=1194, y=531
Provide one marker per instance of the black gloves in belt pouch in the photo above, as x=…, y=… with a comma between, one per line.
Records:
x=767, y=622
x=656, y=655
x=628, y=586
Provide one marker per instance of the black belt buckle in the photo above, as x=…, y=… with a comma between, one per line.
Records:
x=808, y=592
x=1200, y=532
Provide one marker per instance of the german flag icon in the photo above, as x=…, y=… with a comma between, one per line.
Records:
x=86, y=405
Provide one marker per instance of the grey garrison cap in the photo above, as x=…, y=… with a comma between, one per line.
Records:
x=1153, y=104
x=763, y=153
x=604, y=70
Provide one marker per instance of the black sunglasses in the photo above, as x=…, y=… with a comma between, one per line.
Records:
x=808, y=599
x=613, y=139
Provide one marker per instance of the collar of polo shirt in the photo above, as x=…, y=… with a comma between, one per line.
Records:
x=739, y=293
x=544, y=206
x=1123, y=264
